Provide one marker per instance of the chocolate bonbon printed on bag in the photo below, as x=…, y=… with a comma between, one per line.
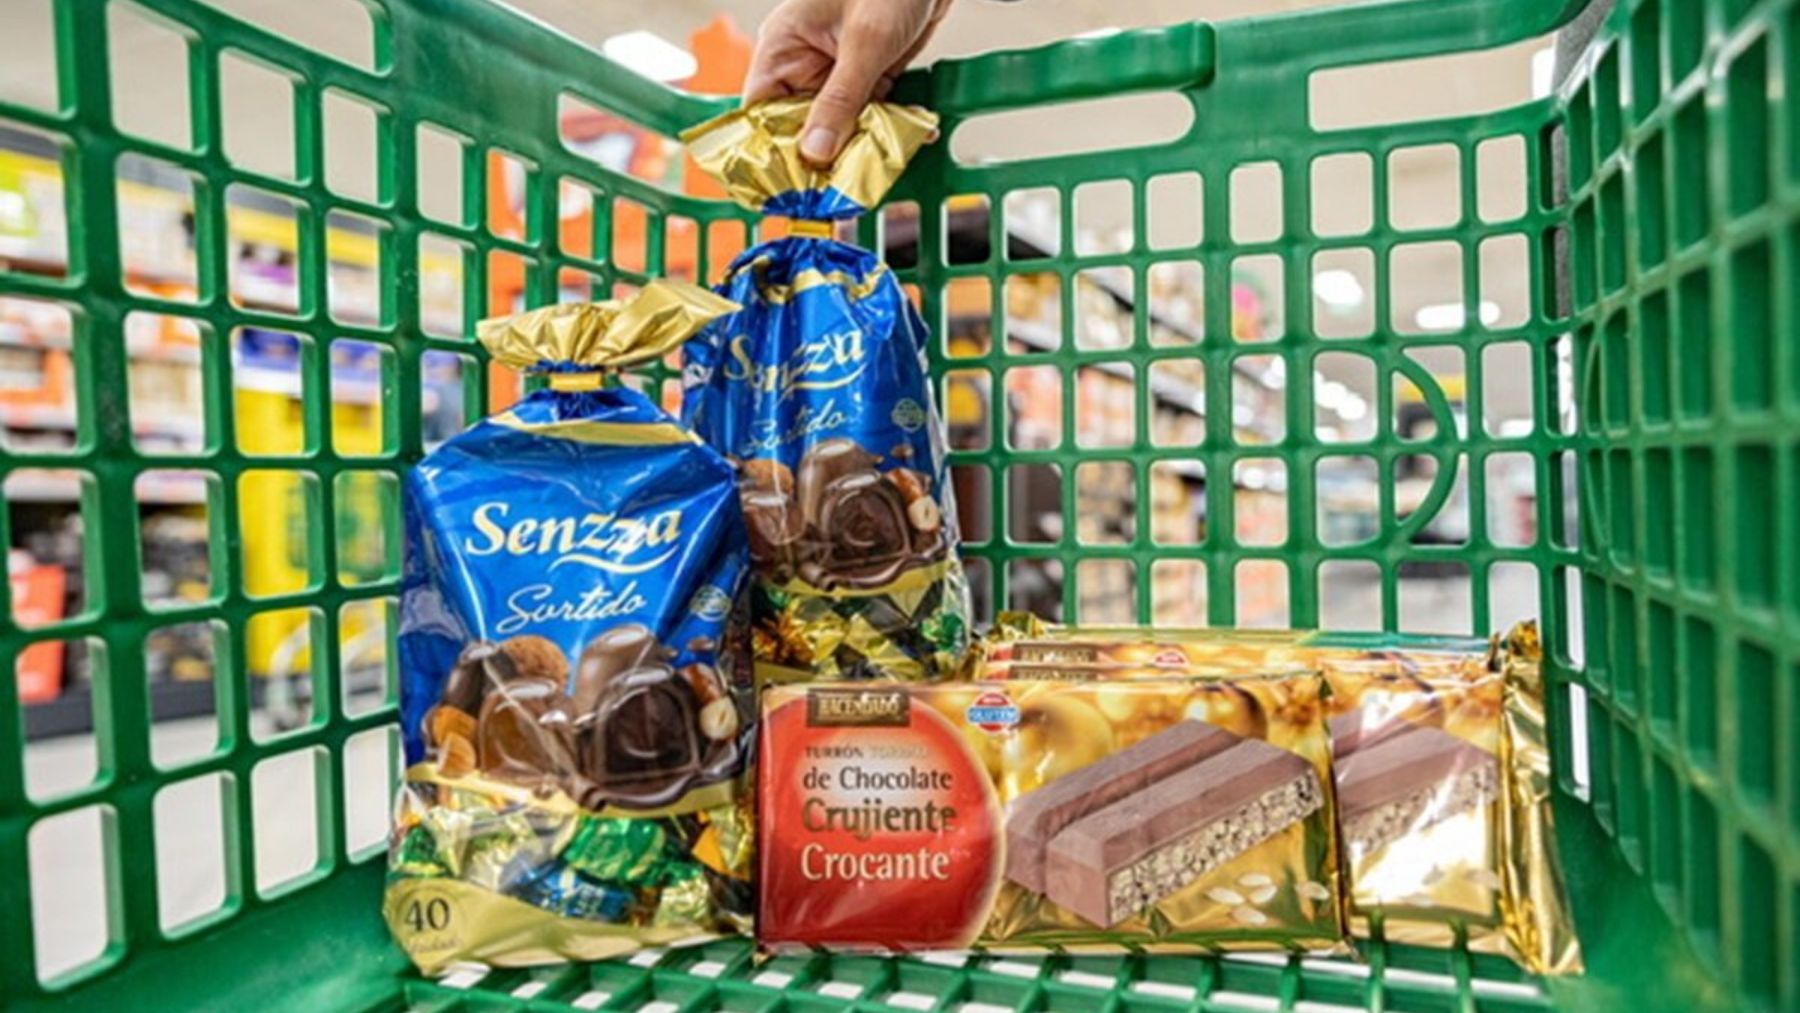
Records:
x=575, y=692
x=818, y=389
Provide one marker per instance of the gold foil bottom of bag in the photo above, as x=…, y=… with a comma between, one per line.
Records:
x=798, y=640
x=459, y=921
x=443, y=903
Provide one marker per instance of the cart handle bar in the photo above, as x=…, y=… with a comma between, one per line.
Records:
x=1170, y=58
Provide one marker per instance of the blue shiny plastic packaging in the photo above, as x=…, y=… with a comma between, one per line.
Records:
x=572, y=671
x=818, y=388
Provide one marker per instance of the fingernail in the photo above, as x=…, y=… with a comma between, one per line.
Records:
x=819, y=144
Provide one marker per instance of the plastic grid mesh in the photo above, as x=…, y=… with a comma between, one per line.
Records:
x=722, y=978
x=1682, y=173
x=1228, y=152
x=246, y=467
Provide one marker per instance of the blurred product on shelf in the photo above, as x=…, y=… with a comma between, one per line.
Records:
x=177, y=563
x=37, y=600
x=34, y=233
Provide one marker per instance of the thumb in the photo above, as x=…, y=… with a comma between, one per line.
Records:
x=836, y=108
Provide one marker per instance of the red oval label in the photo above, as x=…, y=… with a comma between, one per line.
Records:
x=992, y=711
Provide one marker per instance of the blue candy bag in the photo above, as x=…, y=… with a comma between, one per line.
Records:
x=818, y=389
x=574, y=700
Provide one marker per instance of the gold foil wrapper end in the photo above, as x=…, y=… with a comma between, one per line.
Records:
x=1534, y=905
x=755, y=151
x=613, y=334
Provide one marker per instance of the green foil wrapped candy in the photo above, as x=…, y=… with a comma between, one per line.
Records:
x=418, y=854
x=618, y=850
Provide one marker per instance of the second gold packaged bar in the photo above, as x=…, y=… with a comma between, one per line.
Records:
x=1440, y=765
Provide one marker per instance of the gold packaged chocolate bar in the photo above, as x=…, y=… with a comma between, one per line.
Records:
x=1162, y=815
x=1439, y=757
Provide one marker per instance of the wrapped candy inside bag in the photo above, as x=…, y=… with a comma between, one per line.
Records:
x=818, y=389
x=574, y=688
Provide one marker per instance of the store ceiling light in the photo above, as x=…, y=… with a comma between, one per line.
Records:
x=651, y=55
x=1448, y=316
x=1338, y=287
x=1336, y=396
x=1275, y=373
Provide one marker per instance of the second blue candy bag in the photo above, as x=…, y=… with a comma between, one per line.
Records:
x=818, y=389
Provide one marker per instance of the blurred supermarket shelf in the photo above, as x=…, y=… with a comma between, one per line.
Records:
x=173, y=488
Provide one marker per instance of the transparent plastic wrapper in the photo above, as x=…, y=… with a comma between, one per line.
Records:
x=818, y=389
x=1171, y=815
x=574, y=694
x=1439, y=755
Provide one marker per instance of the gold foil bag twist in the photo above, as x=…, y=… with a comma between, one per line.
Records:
x=755, y=151
x=610, y=335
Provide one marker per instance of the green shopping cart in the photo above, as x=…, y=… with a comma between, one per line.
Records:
x=1664, y=445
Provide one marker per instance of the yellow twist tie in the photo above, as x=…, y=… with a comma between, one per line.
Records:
x=810, y=228
x=577, y=381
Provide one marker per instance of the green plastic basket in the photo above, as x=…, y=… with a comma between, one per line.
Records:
x=1666, y=518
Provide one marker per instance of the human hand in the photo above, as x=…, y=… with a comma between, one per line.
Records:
x=845, y=52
